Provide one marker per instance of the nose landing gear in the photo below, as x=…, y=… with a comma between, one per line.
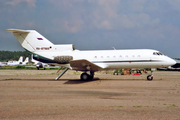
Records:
x=150, y=77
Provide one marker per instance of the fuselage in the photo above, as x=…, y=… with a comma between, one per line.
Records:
x=115, y=59
x=13, y=63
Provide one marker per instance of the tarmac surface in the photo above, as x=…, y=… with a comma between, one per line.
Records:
x=34, y=94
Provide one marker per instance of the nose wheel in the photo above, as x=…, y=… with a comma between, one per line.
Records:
x=150, y=77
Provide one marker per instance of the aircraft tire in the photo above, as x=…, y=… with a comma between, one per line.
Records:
x=85, y=76
x=149, y=77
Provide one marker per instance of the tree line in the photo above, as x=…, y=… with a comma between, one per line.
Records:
x=13, y=55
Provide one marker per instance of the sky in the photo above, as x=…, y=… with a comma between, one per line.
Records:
x=95, y=24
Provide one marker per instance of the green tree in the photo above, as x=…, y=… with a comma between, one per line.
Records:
x=13, y=55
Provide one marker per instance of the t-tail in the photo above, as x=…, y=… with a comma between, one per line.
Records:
x=34, y=42
x=26, y=60
x=30, y=40
x=20, y=59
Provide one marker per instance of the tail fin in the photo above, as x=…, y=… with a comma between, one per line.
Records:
x=26, y=60
x=31, y=40
x=20, y=59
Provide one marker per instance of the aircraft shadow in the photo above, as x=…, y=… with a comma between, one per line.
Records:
x=67, y=81
x=78, y=81
x=73, y=81
x=124, y=79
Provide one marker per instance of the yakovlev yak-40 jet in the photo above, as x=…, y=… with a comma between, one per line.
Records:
x=89, y=62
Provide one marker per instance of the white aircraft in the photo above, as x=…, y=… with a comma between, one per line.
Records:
x=2, y=64
x=88, y=61
x=38, y=64
x=25, y=61
x=14, y=63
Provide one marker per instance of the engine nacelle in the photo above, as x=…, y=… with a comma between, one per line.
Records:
x=63, y=59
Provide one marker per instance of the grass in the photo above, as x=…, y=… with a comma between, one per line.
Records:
x=15, y=67
x=172, y=105
x=24, y=67
x=119, y=106
x=54, y=73
x=138, y=106
x=98, y=82
x=115, y=106
x=76, y=73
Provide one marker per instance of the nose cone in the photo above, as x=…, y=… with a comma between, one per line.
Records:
x=171, y=62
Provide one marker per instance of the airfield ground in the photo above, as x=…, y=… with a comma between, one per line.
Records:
x=34, y=94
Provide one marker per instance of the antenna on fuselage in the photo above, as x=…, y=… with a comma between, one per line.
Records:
x=114, y=48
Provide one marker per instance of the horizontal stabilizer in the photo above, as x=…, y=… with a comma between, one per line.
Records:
x=17, y=31
x=84, y=65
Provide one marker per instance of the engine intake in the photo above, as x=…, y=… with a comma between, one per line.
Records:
x=63, y=59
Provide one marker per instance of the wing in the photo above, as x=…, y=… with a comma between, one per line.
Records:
x=84, y=65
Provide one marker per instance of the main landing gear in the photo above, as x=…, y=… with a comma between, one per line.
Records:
x=150, y=77
x=62, y=73
x=86, y=76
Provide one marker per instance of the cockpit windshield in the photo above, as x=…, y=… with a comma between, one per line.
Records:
x=157, y=53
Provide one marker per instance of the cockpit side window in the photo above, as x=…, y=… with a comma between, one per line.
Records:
x=157, y=53
x=160, y=53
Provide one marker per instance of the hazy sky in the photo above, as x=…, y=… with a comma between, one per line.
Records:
x=95, y=24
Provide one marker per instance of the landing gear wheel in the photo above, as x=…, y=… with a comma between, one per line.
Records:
x=149, y=77
x=84, y=76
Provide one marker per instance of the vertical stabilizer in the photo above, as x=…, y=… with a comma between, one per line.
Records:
x=31, y=40
x=26, y=60
x=20, y=59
